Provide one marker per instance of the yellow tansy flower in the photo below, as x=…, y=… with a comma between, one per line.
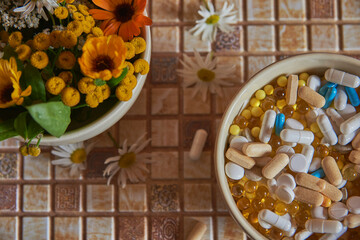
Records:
x=141, y=66
x=67, y=76
x=130, y=53
x=91, y=20
x=15, y=39
x=130, y=68
x=129, y=81
x=86, y=85
x=139, y=44
x=75, y=27
x=86, y=26
x=39, y=59
x=92, y=100
x=123, y=93
x=70, y=96
x=61, y=12
x=23, y=51
x=55, y=39
x=72, y=8
x=68, y=39
x=83, y=9
x=66, y=60
x=4, y=36
x=103, y=92
x=41, y=41
x=97, y=32
x=78, y=16
x=55, y=85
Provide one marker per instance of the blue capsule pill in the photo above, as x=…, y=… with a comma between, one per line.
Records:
x=353, y=96
x=323, y=89
x=279, y=123
x=319, y=173
x=329, y=96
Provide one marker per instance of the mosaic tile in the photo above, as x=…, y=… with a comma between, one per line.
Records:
x=293, y=38
x=95, y=162
x=221, y=103
x=8, y=197
x=228, y=229
x=194, y=42
x=36, y=198
x=164, y=133
x=220, y=201
x=133, y=228
x=99, y=228
x=165, y=198
x=163, y=69
x=192, y=7
x=131, y=130
x=322, y=9
x=324, y=37
x=190, y=128
x=8, y=228
x=103, y=140
x=233, y=60
x=197, y=197
x=165, y=228
x=67, y=197
x=351, y=35
x=229, y=42
x=350, y=9
x=292, y=9
x=195, y=104
x=100, y=198
x=35, y=228
x=169, y=11
x=238, y=7
x=165, y=39
x=139, y=107
x=164, y=101
x=165, y=165
x=198, y=169
x=64, y=173
x=9, y=165
x=260, y=10
x=261, y=38
x=255, y=64
x=37, y=167
x=190, y=222
x=68, y=228
x=10, y=143
x=133, y=198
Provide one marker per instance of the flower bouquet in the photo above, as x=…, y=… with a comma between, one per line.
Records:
x=64, y=64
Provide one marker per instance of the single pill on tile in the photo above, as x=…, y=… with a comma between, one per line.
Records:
x=350, y=125
x=275, y=166
x=267, y=126
x=342, y=78
x=237, y=157
x=352, y=220
x=356, y=142
x=256, y=149
x=286, y=149
x=311, y=182
x=285, y=194
x=198, y=144
x=345, y=139
x=311, y=97
x=253, y=174
x=262, y=161
x=353, y=204
x=234, y=171
x=314, y=82
x=323, y=226
x=197, y=232
x=298, y=163
x=335, y=116
x=297, y=136
x=327, y=129
x=292, y=89
x=347, y=112
x=333, y=236
x=286, y=179
x=319, y=212
x=332, y=192
x=329, y=96
x=308, y=196
x=353, y=96
x=275, y=220
x=341, y=98
x=354, y=156
x=279, y=123
x=303, y=234
x=331, y=170
x=291, y=123
x=338, y=211
x=308, y=152
x=238, y=142
x=315, y=164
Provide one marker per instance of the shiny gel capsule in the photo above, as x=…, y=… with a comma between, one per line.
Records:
x=341, y=98
x=323, y=89
x=319, y=173
x=329, y=96
x=279, y=123
x=353, y=96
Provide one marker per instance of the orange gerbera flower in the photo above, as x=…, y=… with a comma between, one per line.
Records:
x=103, y=57
x=122, y=17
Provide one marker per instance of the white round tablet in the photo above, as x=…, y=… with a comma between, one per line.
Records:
x=237, y=142
x=338, y=211
x=286, y=149
x=234, y=171
x=353, y=204
x=298, y=163
x=286, y=179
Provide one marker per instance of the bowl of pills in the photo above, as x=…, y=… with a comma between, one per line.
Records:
x=287, y=153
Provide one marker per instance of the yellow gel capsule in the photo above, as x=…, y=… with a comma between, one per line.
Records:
x=301, y=83
x=314, y=127
x=246, y=114
x=255, y=132
x=296, y=116
x=234, y=129
x=269, y=89
x=281, y=104
x=260, y=94
x=280, y=208
x=303, y=76
x=254, y=102
x=256, y=111
x=282, y=81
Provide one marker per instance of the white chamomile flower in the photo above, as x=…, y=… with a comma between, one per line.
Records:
x=30, y=5
x=208, y=26
x=205, y=74
x=72, y=156
x=130, y=163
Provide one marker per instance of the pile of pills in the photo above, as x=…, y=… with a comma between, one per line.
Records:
x=293, y=158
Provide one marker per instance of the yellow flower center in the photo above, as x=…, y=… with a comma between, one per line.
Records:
x=205, y=75
x=78, y=156
x=213, y=19
x=127, y=160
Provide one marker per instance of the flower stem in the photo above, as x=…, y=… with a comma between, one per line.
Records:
x=113, y=139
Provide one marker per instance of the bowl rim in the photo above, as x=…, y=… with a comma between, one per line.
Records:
x=222, y=132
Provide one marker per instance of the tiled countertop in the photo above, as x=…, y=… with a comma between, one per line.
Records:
x=40, y=201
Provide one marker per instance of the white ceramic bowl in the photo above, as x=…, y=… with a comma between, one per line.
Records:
x=314, y=63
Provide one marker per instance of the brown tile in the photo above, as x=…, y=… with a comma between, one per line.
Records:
x=103, y=140
x=165, y=198
x=228, y=229
x=351, y=35
x=165, y=165
x=190, y=128
x=222, y=103
x=133, y=198
x=169, y=11
x=139, y=107
x=255, y=64
x=322, y=9
x=131, y=130
x=261, y=38
x=164, y=101
x=163, y=70
x=37, y=167
x=99, y=198
x=67, y=197
x=8, y=197
x=192, y=7
x=67, y=228
x=8, y=228
x=164, y=133
x=100, y=228
x=350, y=9
x=165, y=39
x=293, y=38
x=229, y=42
x=192, y=42
x=165, y=228
x=36, y=198
x=220, y=201
x=233, y=60
x=198, y=169
x=195, y=104
x=95, y=162
x=133, y=228
x=10, y=143
x=36, y=228
x=190, y=222
x=238, y=7
x=197, y=197
x=292, y=9
x=9, y=165
x=324, y=37
x=260, y=10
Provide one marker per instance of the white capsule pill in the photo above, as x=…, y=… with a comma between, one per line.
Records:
x=267, y=126
x=353, y=204
x=323, y=226
x=275, y=220
x=283, y=143
x=342, y=78
x=314, y=82
x=285, y=194
x=345, y=139
x=298, y=163
x=238, y=141
x=319, y=212
x=347, y=112
x=286, y=149
x=350, y=125
x=315, y=164
x=333, y=236
x=248, y=135
x=303, y=234
x=335, y=116
x=341, y=98
x=234, y=171
x=338, y=211
x=308, y=152
x=327, y=129
x=263, y=223
x=254, y=174
x=297, y=136
x=198, y=144
x=312, y=115
x=286, y=179
x=291, y=123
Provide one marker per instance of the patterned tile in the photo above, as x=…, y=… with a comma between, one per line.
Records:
x=255, y=64
x=228, y=229
x=261, y=38
x=133, y=198
x=8, y=197
x=220, y=202
x=67, y=197
x=165, y=165
x=67, y=228
x=238, y=7
x=169, y=11
x=100, y=198
x=190, y=128
x=64, y=173
x=233, y=60
x=36, y=198
x=197, y=197
x=351, y=35
x=350, y=9
x=133, y=228
x=95, y=162
x=293, y=38
x=164, y=133
x=260, y=10
x=37, y=167
x=99, y=228
x=10, y=143
x=165, y=228
x=35, y=228
x=191, y=42
x=165, y=198
x=163, y=69
x=8, y=226
x=198, y=169
x=195, y=104
x=131, y=130
x=9, y=165
x=139, y=107
x=222, y=103
x=322, y=9
x=324, y=37
x=164, y=101
x=165, y=39
x=192, y=7
x=292, y=9
x=103, y=140
x=190, y=222
x=229, y=42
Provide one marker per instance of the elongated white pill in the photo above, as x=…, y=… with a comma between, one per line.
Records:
x=291, y=123
x=198, y=144
x=263, y=223
x=238, y=141
x=314, y=82
x=342, y=78
x=312, y=115
x=272, y=185
x=286, y=149
x=350, y=125
x=327, y=129
x=234, y=171
x=323, y=226
x=275, y=220
x=347, y=138
x=297, y=136
x=341, y=98
x=333, y=236
x=353, y=204
x=319, y=212
x=303, y=234
x=335, y=116
x=347, y=112
x=267, y=126
x=315, y=164
x=285, y=194
x=308, y=152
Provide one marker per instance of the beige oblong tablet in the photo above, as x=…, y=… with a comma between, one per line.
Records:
x=237, y=157
x=276, y=164
x=311, y=97
x=197, y=231
x=331, y=170
x=356, y=142
x=308, y=196
x=292, y=89
x=310, y=181
x=354, y=156
x=352, y=220
x=256, y=149
x=332, y=192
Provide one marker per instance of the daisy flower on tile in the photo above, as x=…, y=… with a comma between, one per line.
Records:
x=72, y=156
x=30, y=5
x=208, y=26
x=205, y=74
x=130, y=163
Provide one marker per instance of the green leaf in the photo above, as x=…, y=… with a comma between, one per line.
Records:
x=31, y=76
x=7, y=129
x=34, y=128
x=99, y=82
x=20, y=125
x=54, y=117
x=115, y=81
